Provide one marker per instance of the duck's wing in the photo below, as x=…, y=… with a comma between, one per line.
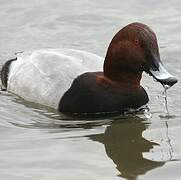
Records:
x=43, y=76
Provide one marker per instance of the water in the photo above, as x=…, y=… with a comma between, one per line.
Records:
x=41, y=144
x=165, y=103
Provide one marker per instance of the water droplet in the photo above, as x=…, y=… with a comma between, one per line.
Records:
x=164, y=95
x=147, y=113
x=146, y=87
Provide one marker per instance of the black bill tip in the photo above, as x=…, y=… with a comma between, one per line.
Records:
x=169, y=81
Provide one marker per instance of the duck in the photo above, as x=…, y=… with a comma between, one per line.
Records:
x=79, y=82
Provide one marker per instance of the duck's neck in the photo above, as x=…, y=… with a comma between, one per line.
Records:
x=125, y=80
x=121, y=75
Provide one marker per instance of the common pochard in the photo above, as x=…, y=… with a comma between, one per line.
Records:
x=75, y=81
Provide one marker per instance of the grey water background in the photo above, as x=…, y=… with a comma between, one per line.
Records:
x=40, y=144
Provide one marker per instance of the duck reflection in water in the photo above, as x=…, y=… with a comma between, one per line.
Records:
x=125, y=145
x=122, y=139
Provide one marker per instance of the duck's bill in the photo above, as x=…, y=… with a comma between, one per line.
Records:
x=162, y=75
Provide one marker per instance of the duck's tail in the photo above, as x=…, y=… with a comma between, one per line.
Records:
x=4, y=73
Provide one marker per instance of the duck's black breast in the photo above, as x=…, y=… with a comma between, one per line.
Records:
x=86, y=95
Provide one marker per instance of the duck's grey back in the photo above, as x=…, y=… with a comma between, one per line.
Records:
x=43, y=76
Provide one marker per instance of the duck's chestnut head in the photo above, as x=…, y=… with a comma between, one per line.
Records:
x=134, y=49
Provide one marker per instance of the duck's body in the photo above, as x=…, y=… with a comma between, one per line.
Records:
x=43, y=76
x=72, y=81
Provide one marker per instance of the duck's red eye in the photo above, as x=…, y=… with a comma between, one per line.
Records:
x=136, y=42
